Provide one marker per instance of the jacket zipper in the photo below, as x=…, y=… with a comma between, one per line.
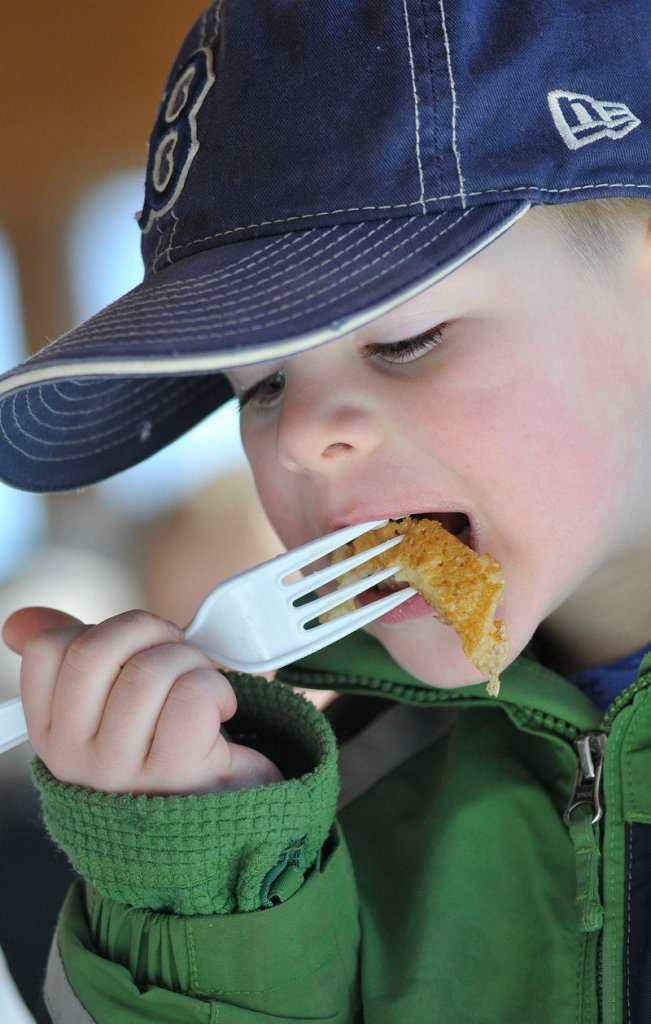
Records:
x=582, y=816
x=590, y=750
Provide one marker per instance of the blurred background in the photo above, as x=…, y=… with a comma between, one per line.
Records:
x=80, y=84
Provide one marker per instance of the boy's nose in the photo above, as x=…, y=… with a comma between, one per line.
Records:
x=319, y=434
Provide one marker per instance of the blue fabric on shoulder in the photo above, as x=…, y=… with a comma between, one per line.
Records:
x=602, y=683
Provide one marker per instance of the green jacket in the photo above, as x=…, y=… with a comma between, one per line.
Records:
x=453, y=885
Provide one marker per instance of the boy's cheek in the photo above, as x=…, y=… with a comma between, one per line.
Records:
x=283, y=503
x=564, y=479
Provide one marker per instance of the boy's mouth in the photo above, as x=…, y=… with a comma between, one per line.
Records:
x=456, y=523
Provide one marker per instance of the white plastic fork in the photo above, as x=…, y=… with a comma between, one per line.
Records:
x=252, y=622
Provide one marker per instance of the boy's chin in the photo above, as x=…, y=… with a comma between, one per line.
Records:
x=443, y=673
x=437, y=661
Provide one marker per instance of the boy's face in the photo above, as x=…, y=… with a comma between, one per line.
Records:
x=525, y=413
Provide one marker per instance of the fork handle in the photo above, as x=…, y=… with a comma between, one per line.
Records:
x=13, y=729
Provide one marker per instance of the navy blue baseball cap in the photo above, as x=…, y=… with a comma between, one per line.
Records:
x=312, y=166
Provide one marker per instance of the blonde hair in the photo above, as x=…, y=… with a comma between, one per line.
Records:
x=597, y=230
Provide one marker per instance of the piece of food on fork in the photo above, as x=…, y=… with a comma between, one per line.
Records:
x=462, y=587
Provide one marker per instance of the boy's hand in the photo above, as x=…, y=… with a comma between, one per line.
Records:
x=127, y=706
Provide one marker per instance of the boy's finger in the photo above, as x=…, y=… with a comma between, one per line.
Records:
x=134, y=704
x=43, y=656
x=93, y=663
x=187, y=754
x=25, y=622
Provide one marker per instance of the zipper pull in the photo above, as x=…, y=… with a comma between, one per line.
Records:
x=587, y=781
x=581, y=817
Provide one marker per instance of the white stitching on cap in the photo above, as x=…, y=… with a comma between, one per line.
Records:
x=205, y=36
x=169, y=407
x=191, y=329
x=404, y=206
x=11, y=399
x=416, y=108
x=134, y=400
x=367, y=280
x=218, y=16
x=163, y=319
x=84, y=373
x=109, y=407
x=254, y=286
x=152, y=303
x=189, y=290
x=161, y=239
x=307, y=216
x=219, y=285
x=453, y=91
x=166, y=251
x=204, y=27
x=196, y=285
x=268, y=247
x=557, y=191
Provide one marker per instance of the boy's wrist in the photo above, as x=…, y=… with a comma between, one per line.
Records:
x=215, y=853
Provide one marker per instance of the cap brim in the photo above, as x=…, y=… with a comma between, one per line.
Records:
x=144, y=370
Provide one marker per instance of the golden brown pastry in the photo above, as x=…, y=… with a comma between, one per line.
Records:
x=462, y=587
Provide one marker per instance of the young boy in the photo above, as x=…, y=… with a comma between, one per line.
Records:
x=336, y=173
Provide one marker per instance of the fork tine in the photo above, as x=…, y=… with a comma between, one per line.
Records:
x=331, y=572
x=324, y=604
x=249, y=622
x=298, y=558
x=314, y=639
x=328, y=632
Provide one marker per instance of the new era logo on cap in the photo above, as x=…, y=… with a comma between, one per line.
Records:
x=582, y=119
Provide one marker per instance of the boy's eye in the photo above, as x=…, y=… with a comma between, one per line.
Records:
x=265, y=391
x=408, y=350
x=268, y=390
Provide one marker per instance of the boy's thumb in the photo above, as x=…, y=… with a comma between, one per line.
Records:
x=26, y=621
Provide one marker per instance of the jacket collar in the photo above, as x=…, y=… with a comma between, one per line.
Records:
x=359, y=664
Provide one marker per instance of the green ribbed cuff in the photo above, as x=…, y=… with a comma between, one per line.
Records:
x=215, y=853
